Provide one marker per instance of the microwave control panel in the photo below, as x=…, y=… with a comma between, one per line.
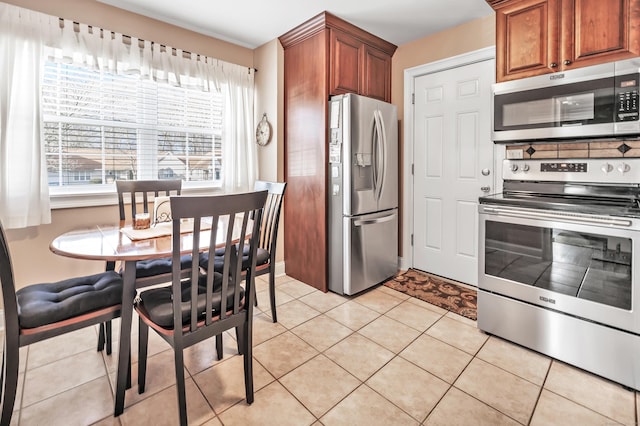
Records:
x=627, y=97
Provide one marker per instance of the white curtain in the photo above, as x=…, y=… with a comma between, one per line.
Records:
x=24, y=190
x=239, y=154
x=28, y=38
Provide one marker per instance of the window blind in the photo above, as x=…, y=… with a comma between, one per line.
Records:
x=99, y=127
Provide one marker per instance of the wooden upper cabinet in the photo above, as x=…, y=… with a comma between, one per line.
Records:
x=526, y=38
x=536, y=37
x=358, y=67
x=345, y=63
x=376, y=76
x=596, y=31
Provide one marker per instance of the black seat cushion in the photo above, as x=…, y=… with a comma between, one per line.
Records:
x=151, y=267
x=262, y=257
x=158, y=302
x=48, y=303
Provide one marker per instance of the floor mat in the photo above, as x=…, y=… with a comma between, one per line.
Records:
x=437, y=291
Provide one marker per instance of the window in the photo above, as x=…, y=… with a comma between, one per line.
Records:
x=99, y=127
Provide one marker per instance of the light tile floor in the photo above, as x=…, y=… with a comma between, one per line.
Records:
x=380, y=358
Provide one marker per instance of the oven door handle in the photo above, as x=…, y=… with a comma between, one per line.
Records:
x=574, y=217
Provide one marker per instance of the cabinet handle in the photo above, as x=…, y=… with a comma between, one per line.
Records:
x=567, y=62
x=553, y=65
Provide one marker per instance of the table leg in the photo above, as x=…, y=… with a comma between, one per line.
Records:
x=128, y=293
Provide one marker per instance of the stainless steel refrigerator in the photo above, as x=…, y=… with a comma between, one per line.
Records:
x=363, y=192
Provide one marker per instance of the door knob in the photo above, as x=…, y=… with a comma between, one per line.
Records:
x=485, y=172
x=485, y=188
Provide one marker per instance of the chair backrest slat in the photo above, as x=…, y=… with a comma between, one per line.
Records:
x=239, y=255
x=209, y=281
x=228, y=270
x=271, y=214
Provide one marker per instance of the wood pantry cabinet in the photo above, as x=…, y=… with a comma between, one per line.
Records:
x=535, y=37
x=322, y=57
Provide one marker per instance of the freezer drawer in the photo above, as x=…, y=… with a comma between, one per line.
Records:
x=371, y=250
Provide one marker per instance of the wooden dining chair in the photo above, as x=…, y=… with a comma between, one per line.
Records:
x=266, y=254
x=41, y=311
x=141, y=195
x=205, y=306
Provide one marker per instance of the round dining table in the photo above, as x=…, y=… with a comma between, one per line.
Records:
x=121, y=243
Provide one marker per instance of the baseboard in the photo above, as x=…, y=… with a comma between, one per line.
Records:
x=280, y=268
x=403, y=263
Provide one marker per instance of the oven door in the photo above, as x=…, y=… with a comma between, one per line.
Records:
x=578, y=264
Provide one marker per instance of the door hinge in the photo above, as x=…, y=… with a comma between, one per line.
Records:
x=413, y=99
x=411, y=240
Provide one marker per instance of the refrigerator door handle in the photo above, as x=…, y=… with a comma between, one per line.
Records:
x=383, y=219
x=380, y=154
x=374, y=150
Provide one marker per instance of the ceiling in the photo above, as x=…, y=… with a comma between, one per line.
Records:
x=251, y=23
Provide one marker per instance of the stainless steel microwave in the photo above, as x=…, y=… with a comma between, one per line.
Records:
x=596, y=101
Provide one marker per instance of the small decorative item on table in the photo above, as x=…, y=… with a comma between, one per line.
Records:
x=161, y=210
x=142, y=221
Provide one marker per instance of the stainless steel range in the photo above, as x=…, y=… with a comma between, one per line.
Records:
x=558, y=262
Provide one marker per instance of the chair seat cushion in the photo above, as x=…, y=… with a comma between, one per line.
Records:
x=151, y=267
x=262, y=257
x=48, y=303
x=158, y=302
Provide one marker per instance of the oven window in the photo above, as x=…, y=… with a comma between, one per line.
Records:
x=580, y=264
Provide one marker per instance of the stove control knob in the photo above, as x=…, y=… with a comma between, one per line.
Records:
x=514, y=167
x=606, y=167
x=525, y=167
x=624, y=168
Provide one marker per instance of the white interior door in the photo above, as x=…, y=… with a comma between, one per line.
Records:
x=453, y=166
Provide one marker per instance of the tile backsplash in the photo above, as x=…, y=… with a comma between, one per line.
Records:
x=591, y=149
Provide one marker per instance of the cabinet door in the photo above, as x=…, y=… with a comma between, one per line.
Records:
x=596, y=31
x=376, y=76
x=345, y=65
x=526, y=39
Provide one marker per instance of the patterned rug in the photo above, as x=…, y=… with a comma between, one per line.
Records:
x=435, y=290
